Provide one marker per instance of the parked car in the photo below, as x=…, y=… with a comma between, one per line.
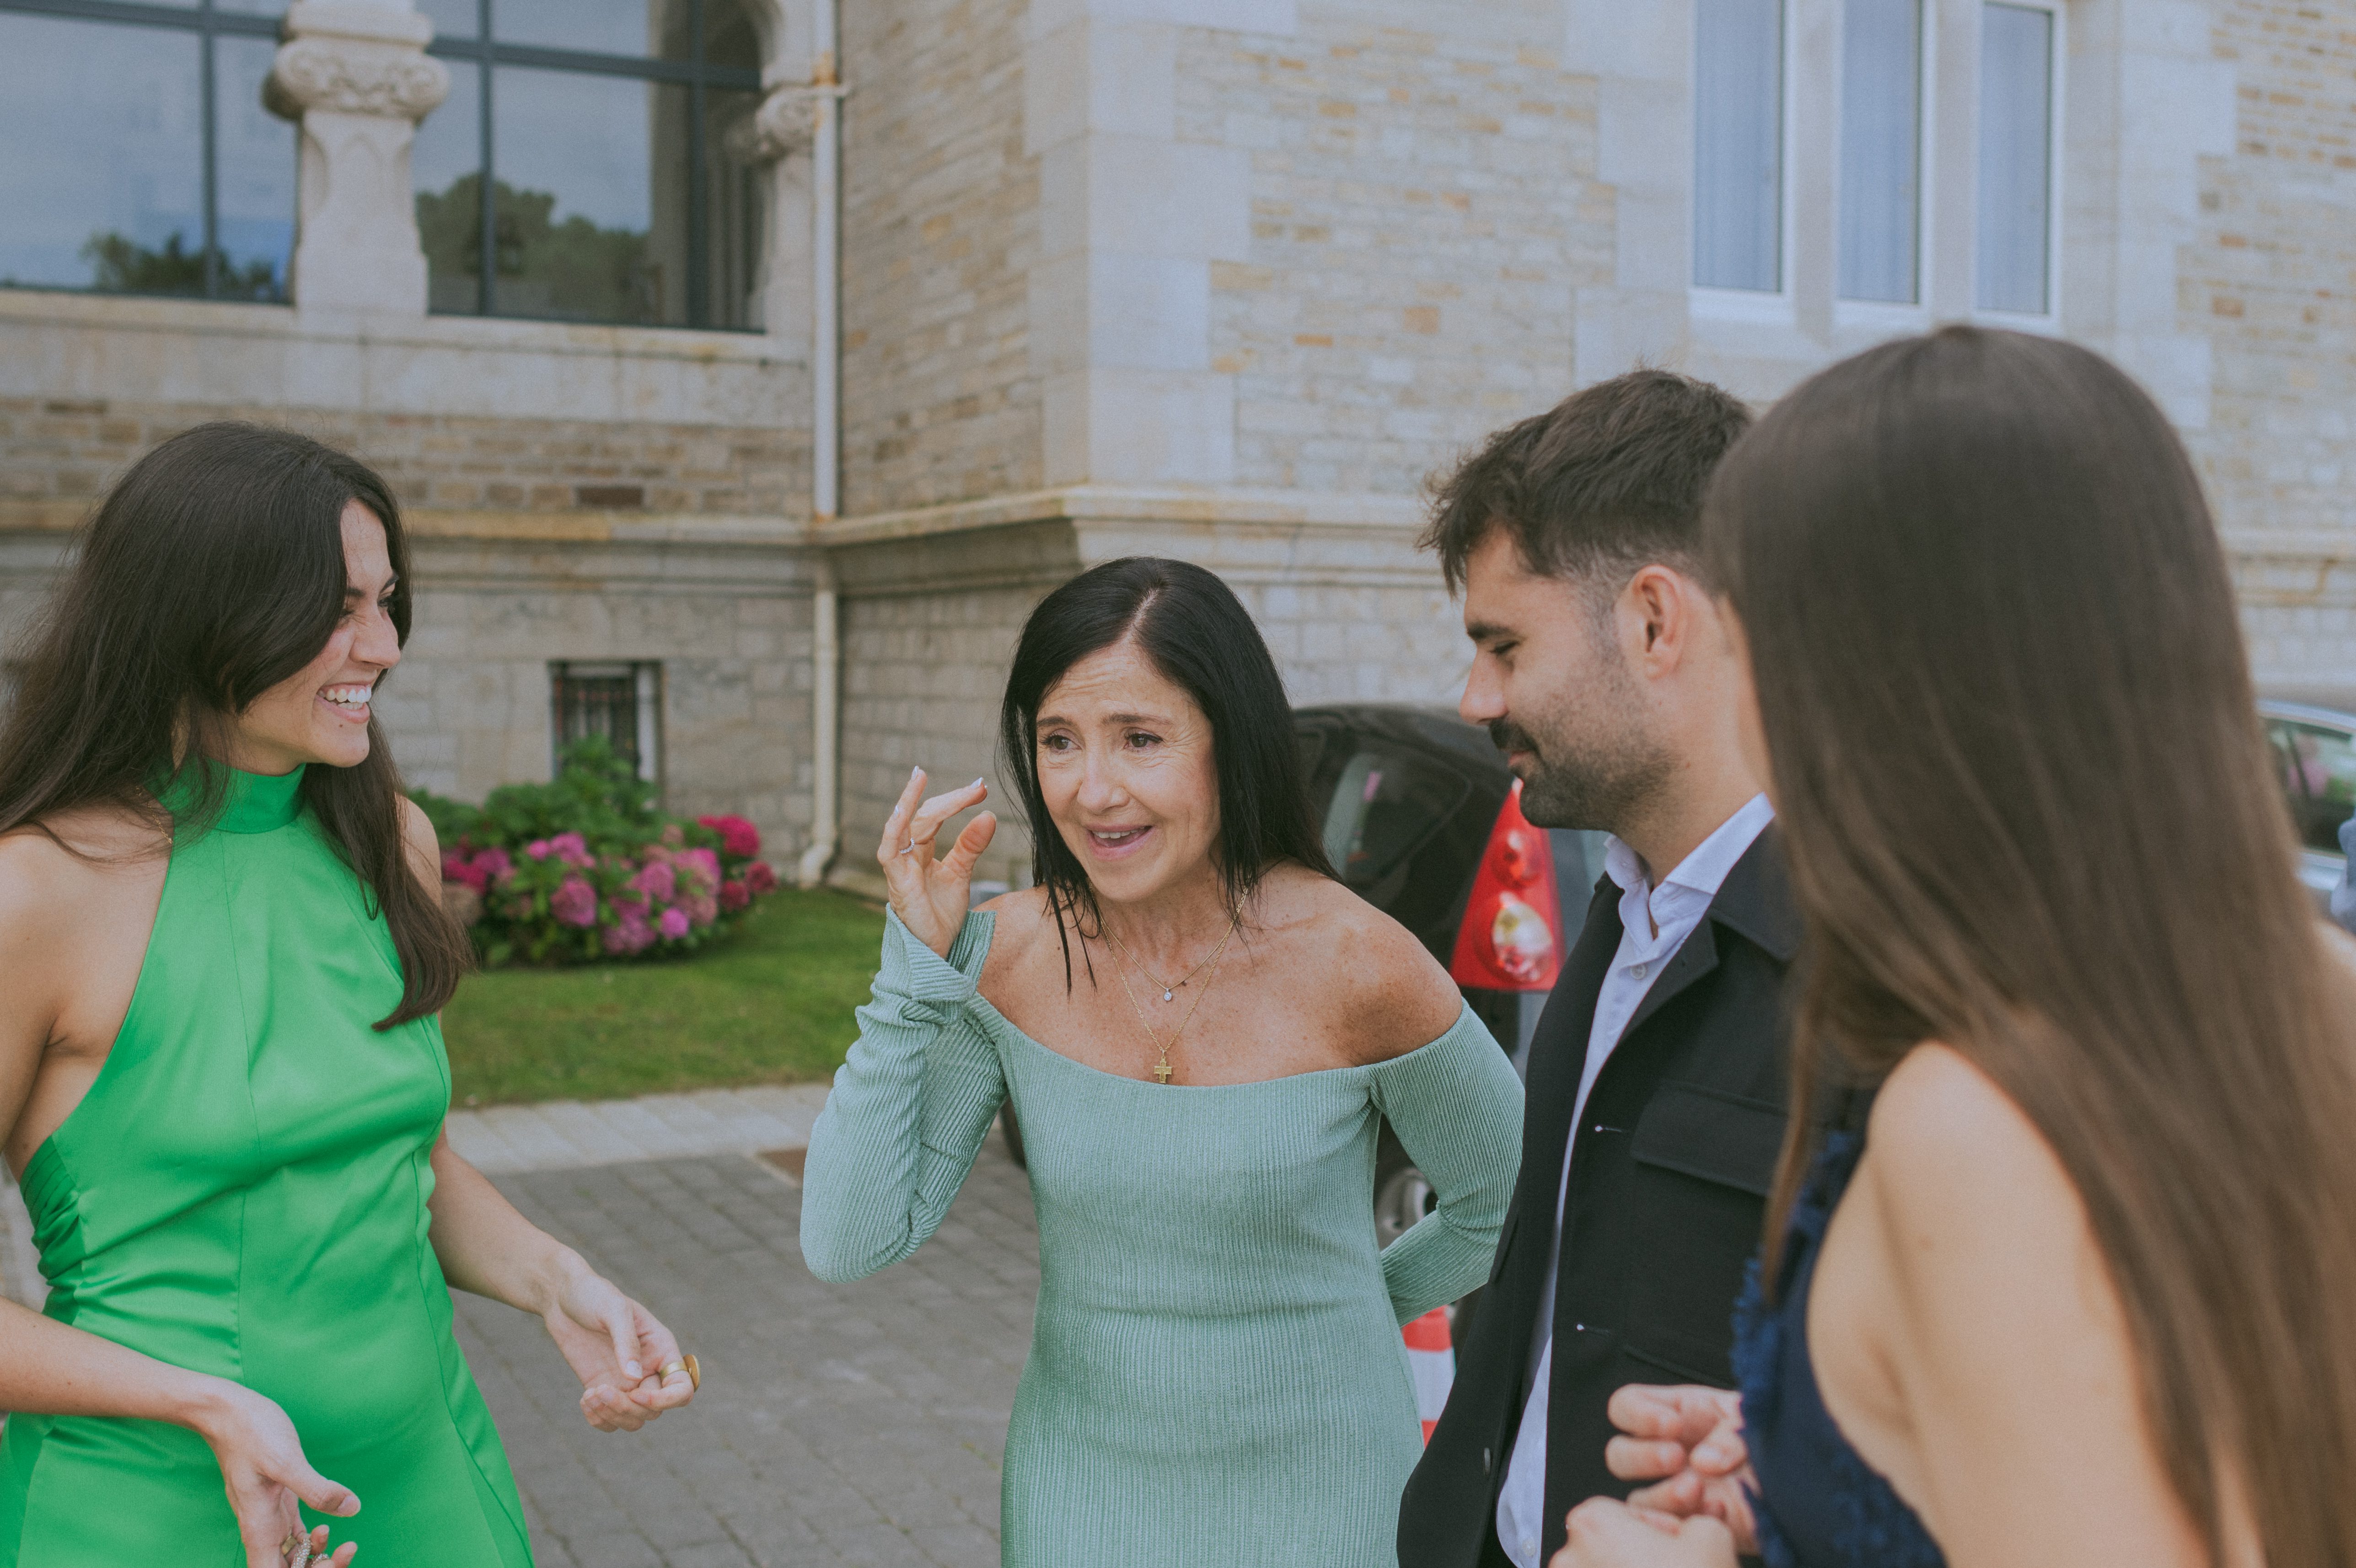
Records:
x=2314, y=746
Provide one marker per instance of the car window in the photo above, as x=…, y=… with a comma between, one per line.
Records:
x=2316, y=769
x=1384, y=807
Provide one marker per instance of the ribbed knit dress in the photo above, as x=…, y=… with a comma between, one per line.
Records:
x=1216, y=1377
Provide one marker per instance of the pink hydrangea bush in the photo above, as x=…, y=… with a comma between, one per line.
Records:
x=585, y=869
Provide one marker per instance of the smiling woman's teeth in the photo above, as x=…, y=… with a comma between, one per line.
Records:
x=1113, y=841
x=353, y=697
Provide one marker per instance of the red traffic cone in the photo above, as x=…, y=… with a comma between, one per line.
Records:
x=1431, y=1360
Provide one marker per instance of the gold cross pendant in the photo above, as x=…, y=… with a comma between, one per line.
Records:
x=1161, y=1072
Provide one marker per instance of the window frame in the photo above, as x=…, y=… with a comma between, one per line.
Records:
x=646, y=676
x=484, y=53
x=1771, y=307
x=2048, y=320
x=200, y=17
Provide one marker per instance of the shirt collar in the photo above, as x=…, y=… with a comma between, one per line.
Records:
x=1704, y=870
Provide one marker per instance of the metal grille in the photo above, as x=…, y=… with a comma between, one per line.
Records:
x=620, y=703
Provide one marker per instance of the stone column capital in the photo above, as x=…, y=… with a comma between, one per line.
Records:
x=356, y=76
x=352, y=58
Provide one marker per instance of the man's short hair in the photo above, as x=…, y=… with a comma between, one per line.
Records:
x=1607, y=480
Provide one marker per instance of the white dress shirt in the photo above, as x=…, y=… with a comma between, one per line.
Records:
x=1653, y=924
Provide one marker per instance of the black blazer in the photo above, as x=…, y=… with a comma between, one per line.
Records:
x=1665, y=1203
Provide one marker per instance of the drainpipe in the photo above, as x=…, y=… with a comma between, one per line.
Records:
x=826, y=444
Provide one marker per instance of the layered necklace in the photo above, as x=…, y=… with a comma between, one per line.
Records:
x=1161, y=1069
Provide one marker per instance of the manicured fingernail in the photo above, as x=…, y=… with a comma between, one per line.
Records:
x=351, y=1506
x=633, y=1369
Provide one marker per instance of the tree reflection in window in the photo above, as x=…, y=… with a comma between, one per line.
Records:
x=621, y=187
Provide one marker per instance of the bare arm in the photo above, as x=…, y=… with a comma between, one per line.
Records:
x=615, y=1346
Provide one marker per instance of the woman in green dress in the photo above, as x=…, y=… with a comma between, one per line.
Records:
x=1201, y=1029
x=221, y=1069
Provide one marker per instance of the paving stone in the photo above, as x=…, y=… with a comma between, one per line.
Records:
x=839, y=1425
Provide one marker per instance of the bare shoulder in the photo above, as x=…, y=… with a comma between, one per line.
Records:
x=1964, y=1179
x=76, y=874
x=422, y=845
x=1023, y=927
x=1392, y=995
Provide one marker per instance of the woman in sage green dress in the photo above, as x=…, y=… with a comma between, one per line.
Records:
x=1201, y=1031
x=224, y=1079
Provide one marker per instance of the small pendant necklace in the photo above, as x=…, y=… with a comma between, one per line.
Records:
x=1167, y=989
x=1161, y=1069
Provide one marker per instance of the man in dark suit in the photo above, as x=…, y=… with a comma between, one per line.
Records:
x=1656, y=1081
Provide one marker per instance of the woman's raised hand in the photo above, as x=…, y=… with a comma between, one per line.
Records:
x=930, y=895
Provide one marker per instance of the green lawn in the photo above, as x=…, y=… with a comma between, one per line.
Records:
x=769, y=1004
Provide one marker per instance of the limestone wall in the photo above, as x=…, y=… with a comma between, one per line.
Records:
x=940, y=219
x=1422, y=205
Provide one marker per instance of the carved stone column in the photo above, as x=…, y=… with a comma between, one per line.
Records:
x=355, y=75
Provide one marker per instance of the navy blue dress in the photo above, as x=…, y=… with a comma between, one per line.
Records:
x=1818, y=1505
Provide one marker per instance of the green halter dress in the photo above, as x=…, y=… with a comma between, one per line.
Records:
x=242, y=1192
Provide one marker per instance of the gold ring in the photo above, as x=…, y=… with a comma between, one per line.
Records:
x=685, y=1363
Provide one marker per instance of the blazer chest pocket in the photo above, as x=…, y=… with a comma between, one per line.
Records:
x=1704, y=1161
x=1712, y=1136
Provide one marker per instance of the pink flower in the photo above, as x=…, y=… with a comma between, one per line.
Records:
x=631, y=933
x=674, y=924
x=734, y=896
x=701, y=869
x=658, y=880
x=457, y=867
x=674, y=836
x=495, y=865
x=759, y=878
x=701, y=908
x=575, y=903
x=739, y=839
x=537, y=848
x=573, y=850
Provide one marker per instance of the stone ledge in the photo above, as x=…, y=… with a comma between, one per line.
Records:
x=247, y=323
x=1085, y=504
x=585, y=527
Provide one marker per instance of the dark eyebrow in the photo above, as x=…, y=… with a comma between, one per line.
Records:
x=352, y=590
x=1484, y=631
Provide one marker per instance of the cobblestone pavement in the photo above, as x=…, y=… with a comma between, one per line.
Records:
x=837, y=1425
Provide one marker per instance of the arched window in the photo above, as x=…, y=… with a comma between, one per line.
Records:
x=622, y=180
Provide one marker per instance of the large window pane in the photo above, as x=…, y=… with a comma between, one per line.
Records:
x=656, y=29
x=1739, y=144
x=445, y=167
x=1881, y=158
x=254, y=190
x=103, y=184
x=454, y=18
x=575, y=177
x=2016, y=156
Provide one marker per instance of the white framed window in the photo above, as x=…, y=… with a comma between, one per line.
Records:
x=1878, y=242
x=1739, y=139
x=618, y=703
x=2015, y=232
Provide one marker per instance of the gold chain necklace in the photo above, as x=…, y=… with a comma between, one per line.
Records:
x=1161, y=1069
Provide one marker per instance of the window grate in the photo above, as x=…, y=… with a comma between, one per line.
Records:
x=617, y=702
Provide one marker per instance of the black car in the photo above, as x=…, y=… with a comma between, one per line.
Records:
x=1422, y=821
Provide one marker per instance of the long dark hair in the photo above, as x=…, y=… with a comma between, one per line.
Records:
x=212, y=571
x=1194, y=631
x=2017, y=758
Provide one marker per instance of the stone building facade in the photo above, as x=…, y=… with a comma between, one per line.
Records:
x=1218, y=279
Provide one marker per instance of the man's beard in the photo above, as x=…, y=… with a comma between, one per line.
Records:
x=1602, y=783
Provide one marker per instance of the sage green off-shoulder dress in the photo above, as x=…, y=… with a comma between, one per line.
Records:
x=1216, y=1377
x=242, y=1193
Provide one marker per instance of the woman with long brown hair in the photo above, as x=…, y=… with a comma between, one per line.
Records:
x=2080, y=1287
x=222, y=1078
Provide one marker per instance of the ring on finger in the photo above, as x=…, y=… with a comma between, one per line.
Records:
x=909, y=848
